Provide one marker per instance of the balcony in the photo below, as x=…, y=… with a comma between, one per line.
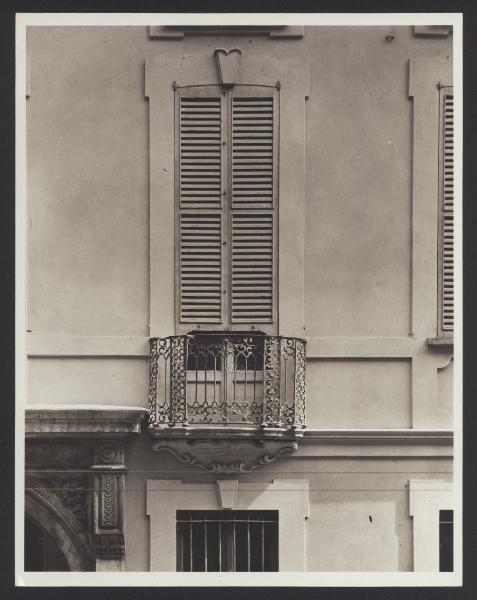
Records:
x=236, y=382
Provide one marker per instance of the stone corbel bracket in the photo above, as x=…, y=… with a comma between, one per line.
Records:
x=226, y=455
x=108, y=472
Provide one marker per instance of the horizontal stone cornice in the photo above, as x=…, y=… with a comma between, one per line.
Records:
x=380, y=436
x=117, y=420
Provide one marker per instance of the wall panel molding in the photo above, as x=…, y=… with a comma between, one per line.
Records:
x=317, y=347
x=88, y=346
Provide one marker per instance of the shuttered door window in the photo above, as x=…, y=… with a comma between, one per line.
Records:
x=446, y=225
x=226, y=186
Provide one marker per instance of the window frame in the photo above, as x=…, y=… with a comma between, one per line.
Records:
x=268, y=548
x=289, y=496
x=163, y=71
x=426, y=498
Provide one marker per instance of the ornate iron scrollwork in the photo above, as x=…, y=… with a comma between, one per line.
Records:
x=227, y=379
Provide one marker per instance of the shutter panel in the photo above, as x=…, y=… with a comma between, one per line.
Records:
x=226, y=170
x=447, y=275
x=252, y=268
x=201, y=267
x=200, y=214
x=254, y=156
x=252, y=152
x=200, y=152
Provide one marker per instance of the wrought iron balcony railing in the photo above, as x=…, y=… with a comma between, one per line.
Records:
x=227, y=379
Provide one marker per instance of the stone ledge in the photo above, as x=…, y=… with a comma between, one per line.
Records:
x=380, y=436
x=87, y=419
x=446, y=343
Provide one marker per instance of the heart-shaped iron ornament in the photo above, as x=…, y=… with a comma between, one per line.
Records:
x=227, y=63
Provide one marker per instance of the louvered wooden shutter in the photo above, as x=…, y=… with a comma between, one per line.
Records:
x=199, y=159
x=447, y=210
x=226, y=186
x=254, y=160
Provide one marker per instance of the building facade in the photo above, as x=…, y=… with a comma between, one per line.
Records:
x=239, y=299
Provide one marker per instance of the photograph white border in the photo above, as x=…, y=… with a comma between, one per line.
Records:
x=145, y=579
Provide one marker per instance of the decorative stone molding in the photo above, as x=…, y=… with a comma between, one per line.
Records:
x=109, y=513
x=227, y=64
x=178, y=32
x=73, y=493
x=108, y=483
x=109, y=453
x=72, y=454
x=110, y=546
x=380, y=436
x=67, y=493
x=74, y=544
x=221, y=455
x=83, y=481
x=227, y=489
x=87, y=419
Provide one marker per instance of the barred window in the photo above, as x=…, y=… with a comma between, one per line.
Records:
x=227, y=540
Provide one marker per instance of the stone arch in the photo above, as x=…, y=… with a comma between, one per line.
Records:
x=57, y=526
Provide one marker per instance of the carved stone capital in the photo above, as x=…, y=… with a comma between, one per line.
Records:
x=217, y=455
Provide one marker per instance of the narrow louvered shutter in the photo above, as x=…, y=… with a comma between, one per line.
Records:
x=447, y=212
x=253, y=206
x=199, y=164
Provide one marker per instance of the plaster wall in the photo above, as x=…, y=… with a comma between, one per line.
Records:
x=88, y=215
x=88, y=176
x=358, y=393
x=72, y=381
x=366, y=498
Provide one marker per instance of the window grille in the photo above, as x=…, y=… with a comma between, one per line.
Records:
x=227, y=540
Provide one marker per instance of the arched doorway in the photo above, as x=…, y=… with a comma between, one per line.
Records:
x=41, y=551
x=51, y=541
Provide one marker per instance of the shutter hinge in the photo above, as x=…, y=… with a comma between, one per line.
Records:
x=174, y=85
x=278, y=85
